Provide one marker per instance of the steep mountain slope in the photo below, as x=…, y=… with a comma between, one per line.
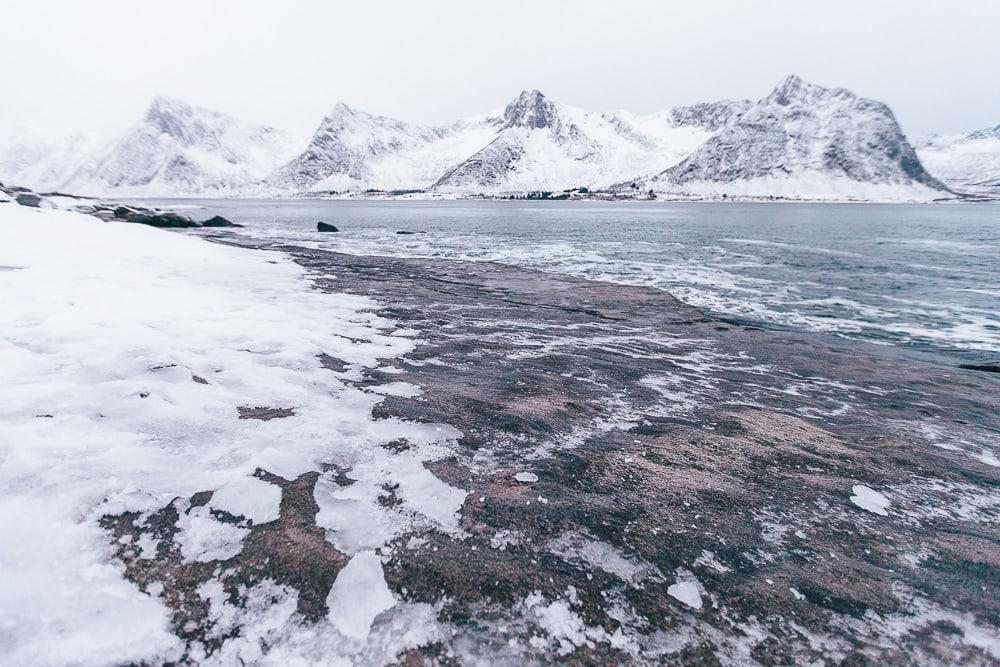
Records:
x=39, y=159
x=801, y=141
x=966, y=163
x=180, y=149
x=533, y=144
x=544, y=145
x=805, y=141
x=355, y=150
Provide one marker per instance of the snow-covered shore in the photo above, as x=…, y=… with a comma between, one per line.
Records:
x=130, y=359
x=213, y=455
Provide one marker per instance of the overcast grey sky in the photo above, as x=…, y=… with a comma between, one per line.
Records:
x=95, y=64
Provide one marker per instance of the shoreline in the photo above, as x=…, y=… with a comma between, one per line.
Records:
x=485, y=462
x=523, y=200
x=636, y=392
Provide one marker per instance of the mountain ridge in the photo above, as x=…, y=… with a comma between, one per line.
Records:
x=803, y=132
x=799, y=141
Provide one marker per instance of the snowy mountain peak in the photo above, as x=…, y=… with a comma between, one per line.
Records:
x=180, y=120
x=801, y=136
x=795, y=90
x=344, y=110
x=161, y=104
x=986, y=133
x=791, y=86
x=531, y=109
x=178, y=149
x=968, y=163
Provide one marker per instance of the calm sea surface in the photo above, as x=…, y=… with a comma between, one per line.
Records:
x=920, y=276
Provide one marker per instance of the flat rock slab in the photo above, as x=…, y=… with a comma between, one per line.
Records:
x=650, y=485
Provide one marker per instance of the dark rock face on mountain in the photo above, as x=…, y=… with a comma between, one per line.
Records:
x=345, y=146
x=531, y=109
x=488, y=167
x=801, y=131
x=987, y=133
x=709, y=115
x=539, y=139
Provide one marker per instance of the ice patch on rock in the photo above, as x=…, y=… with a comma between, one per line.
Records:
x=603, y=556
x=249, y=497
x=204, y=538
x=686, y=589
x=358, y=595
x=869, y=499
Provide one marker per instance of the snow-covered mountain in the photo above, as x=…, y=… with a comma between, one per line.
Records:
x=178, y=149
x=356, y=150
x=39, y=159
x=966, y=163
x=805, y=141
x=544, y=145
x=801, y=141
x=535, y=143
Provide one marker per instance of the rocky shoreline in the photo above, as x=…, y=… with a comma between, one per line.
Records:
x=646, y=485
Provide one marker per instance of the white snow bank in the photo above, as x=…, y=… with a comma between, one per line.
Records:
x=125, y=352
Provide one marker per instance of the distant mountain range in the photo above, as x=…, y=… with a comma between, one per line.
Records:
x=801, y=141
x=968, y=163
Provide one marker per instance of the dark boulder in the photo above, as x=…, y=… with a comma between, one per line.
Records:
x=325, y=227
x=28, y=199
x=166, y=220
x=218, y=221
x=986, y=368
x=123, y=212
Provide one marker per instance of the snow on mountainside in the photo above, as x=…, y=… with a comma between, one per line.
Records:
x=41, y=160
x=181, y=149
x=708, y=115
x=356, y=150
x=544, y=145
x=966, y=163
x=805, y=141
x=801, y=141
x=535, y=144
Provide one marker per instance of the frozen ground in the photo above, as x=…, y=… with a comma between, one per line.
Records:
x=216, y=454
x=142, y=368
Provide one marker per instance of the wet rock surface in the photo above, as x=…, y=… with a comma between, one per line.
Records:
x=646, y=485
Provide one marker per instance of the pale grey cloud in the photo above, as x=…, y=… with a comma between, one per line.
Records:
x=96, y=64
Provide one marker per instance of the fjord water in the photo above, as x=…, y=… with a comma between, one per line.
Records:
x=919, y=276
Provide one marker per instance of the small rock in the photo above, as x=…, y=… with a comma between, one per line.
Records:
x=986, y=368
x=123, y=212
x=28, y=199
x=325, y=227
x=526, y=477
x=218, y=221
